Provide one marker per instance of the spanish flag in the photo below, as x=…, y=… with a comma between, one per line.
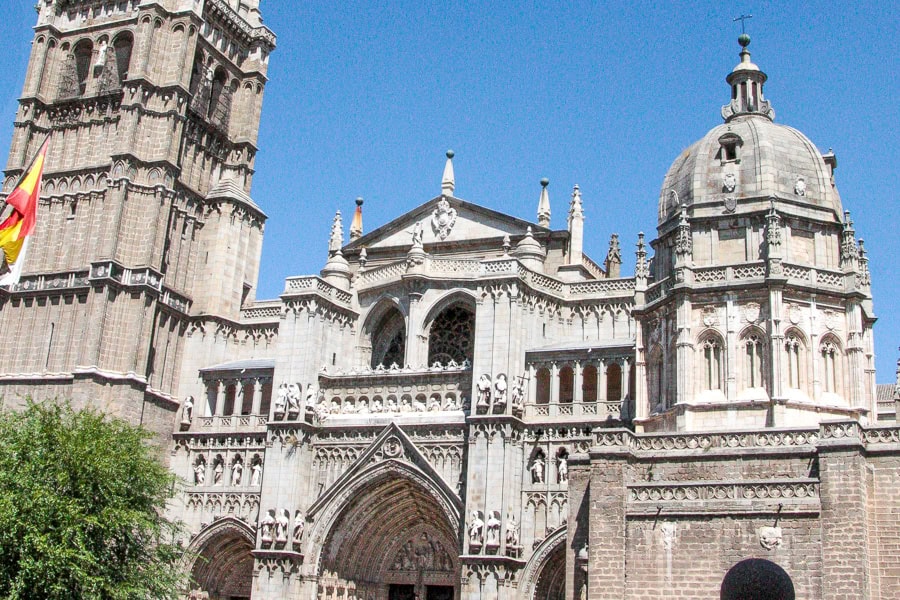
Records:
x=14, y=231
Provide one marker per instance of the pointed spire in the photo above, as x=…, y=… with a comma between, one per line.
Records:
x=684, y=242
x=865, y=278
x=543, y=212
x=641, y=267
x=576, y=228
x=576, y=209
x=849, y=251
x=448, y=181
x=337, y=235
x=356, y=226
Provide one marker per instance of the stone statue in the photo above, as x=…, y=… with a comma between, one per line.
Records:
x=282, y=522
x=101, y=55
x=476, y=529
x=418, y=406
x=417, y=233
x=512, y=530
x=484, y=391
x=391, y=406
x=293, y=398
x=281, y=399
x=405, y=406
x=298, y=527
x=562, y=468
x=310, y=396
x=493, y=529
x=537, y=469
x=363, y=407
x=237, y=473
x=518, y=395
x=377, y=406
x=500, y=387
x=336, y=240
x=256, y=474
x=266, y=526
x=200, y=473
x=218, y=471
x=187, y=410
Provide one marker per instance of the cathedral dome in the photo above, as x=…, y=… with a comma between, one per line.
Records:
x=738, y=165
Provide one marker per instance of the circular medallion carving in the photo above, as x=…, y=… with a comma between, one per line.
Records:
x=392, y=447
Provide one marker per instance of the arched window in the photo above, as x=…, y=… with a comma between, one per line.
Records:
x=123, y=45
x=389, y=340
x=219, y=99
x=82, y=53
x=451, y=335
x=589, y=384
x=754, y=358
x=566, y=384
x=831, y=365
x=613, y=383
x=711, y=359
x=794, y=349
x=543, y=386
x=657, y=373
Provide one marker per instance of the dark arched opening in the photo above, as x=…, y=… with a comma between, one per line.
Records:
x=451, y=335
x=122, y=45
x=389, y=340
x=223, y=568
x=551, y=583
x=566, y=384
x=543, y=386
x=757, y=579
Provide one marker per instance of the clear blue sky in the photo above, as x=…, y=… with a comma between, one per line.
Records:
x=364, y=98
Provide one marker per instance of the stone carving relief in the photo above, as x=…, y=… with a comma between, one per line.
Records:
x=187, y=410
x=298, y=527
x=668, y=535
x=795, y=314
x=830, y=319
x=256, y=473
x=392, y=447
x=422, y=554
x=267, y=527
x=770, y=537
x=730, y=204
x=512, y=530
x=282, y=522
x=800, y=186
x=710, y=316
x=237, y=471
x=751, y=312
x=517, y=396
x=500, y=387
x=484, y=392
x=729, y=182
x=200, y=471
x=562, y=466
x=443, y=217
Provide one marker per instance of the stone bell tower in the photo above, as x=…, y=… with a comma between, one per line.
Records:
x=145, y=218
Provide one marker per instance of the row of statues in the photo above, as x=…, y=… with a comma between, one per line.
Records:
x=406, y=405
x=497, y=393
x=539, y=465
x=237, y=472
x=275, y=528
x=488, y=532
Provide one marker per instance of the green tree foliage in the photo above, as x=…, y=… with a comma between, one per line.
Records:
x=82, y=500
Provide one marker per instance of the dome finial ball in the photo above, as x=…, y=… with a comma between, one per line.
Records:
x=450, y=154
x=545, y=182
x=744, y=40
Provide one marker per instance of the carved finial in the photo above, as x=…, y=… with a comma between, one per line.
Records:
x=613, y=261
x=543, y=212
x=641, y=268
x=576, y=209
x=356, y=226
x=684, y=242
x=448, y=181
x=363, y=257
x=337, y=234
x=506, y=245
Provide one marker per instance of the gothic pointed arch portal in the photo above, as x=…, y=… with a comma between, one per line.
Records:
x=223, y=567
x=551, y=582
x=392, y=540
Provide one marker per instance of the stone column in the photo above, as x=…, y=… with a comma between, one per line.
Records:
x=626, y=378
x=257, y=396
x=220, y=398
x=578, y=393
x=532, y=385
x=554, y=383
x=684, y=351
x=601, y=380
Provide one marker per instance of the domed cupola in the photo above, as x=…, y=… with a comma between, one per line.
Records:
x=740, y=166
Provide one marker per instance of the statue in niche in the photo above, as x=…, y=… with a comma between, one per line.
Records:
x=537, y=468
x=377, y=407
x=476, y=529
x=237, y=473
x=101, y=55
x=187, y=410
x=282, y=522
x=310, y=395
x=434, y=405
x=493, y=529
x=405, y=406
x=391, y=406
x=267, y=526
x=363, y=407
x=484, y=391
x=500, y=387
x=281, y=399
x=218, y=472
x=518, y=394
x=200, y=472
x=293, y=398
x=512, y=530
x=256, y=474
x=562, y=468
x=298, y=527
x=418, y=406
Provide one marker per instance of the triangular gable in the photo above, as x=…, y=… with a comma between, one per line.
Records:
x=472, y=222
x=392, y=444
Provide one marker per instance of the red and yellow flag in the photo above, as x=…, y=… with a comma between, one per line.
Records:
x=14, y=231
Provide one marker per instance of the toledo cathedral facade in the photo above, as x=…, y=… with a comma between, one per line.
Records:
x=462, y=404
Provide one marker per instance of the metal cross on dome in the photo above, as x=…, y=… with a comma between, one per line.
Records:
x=742, y=18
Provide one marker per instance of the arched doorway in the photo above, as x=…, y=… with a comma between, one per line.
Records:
x=551, y=582
x=757, y=579
x=223, y=567
x=392, y=541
